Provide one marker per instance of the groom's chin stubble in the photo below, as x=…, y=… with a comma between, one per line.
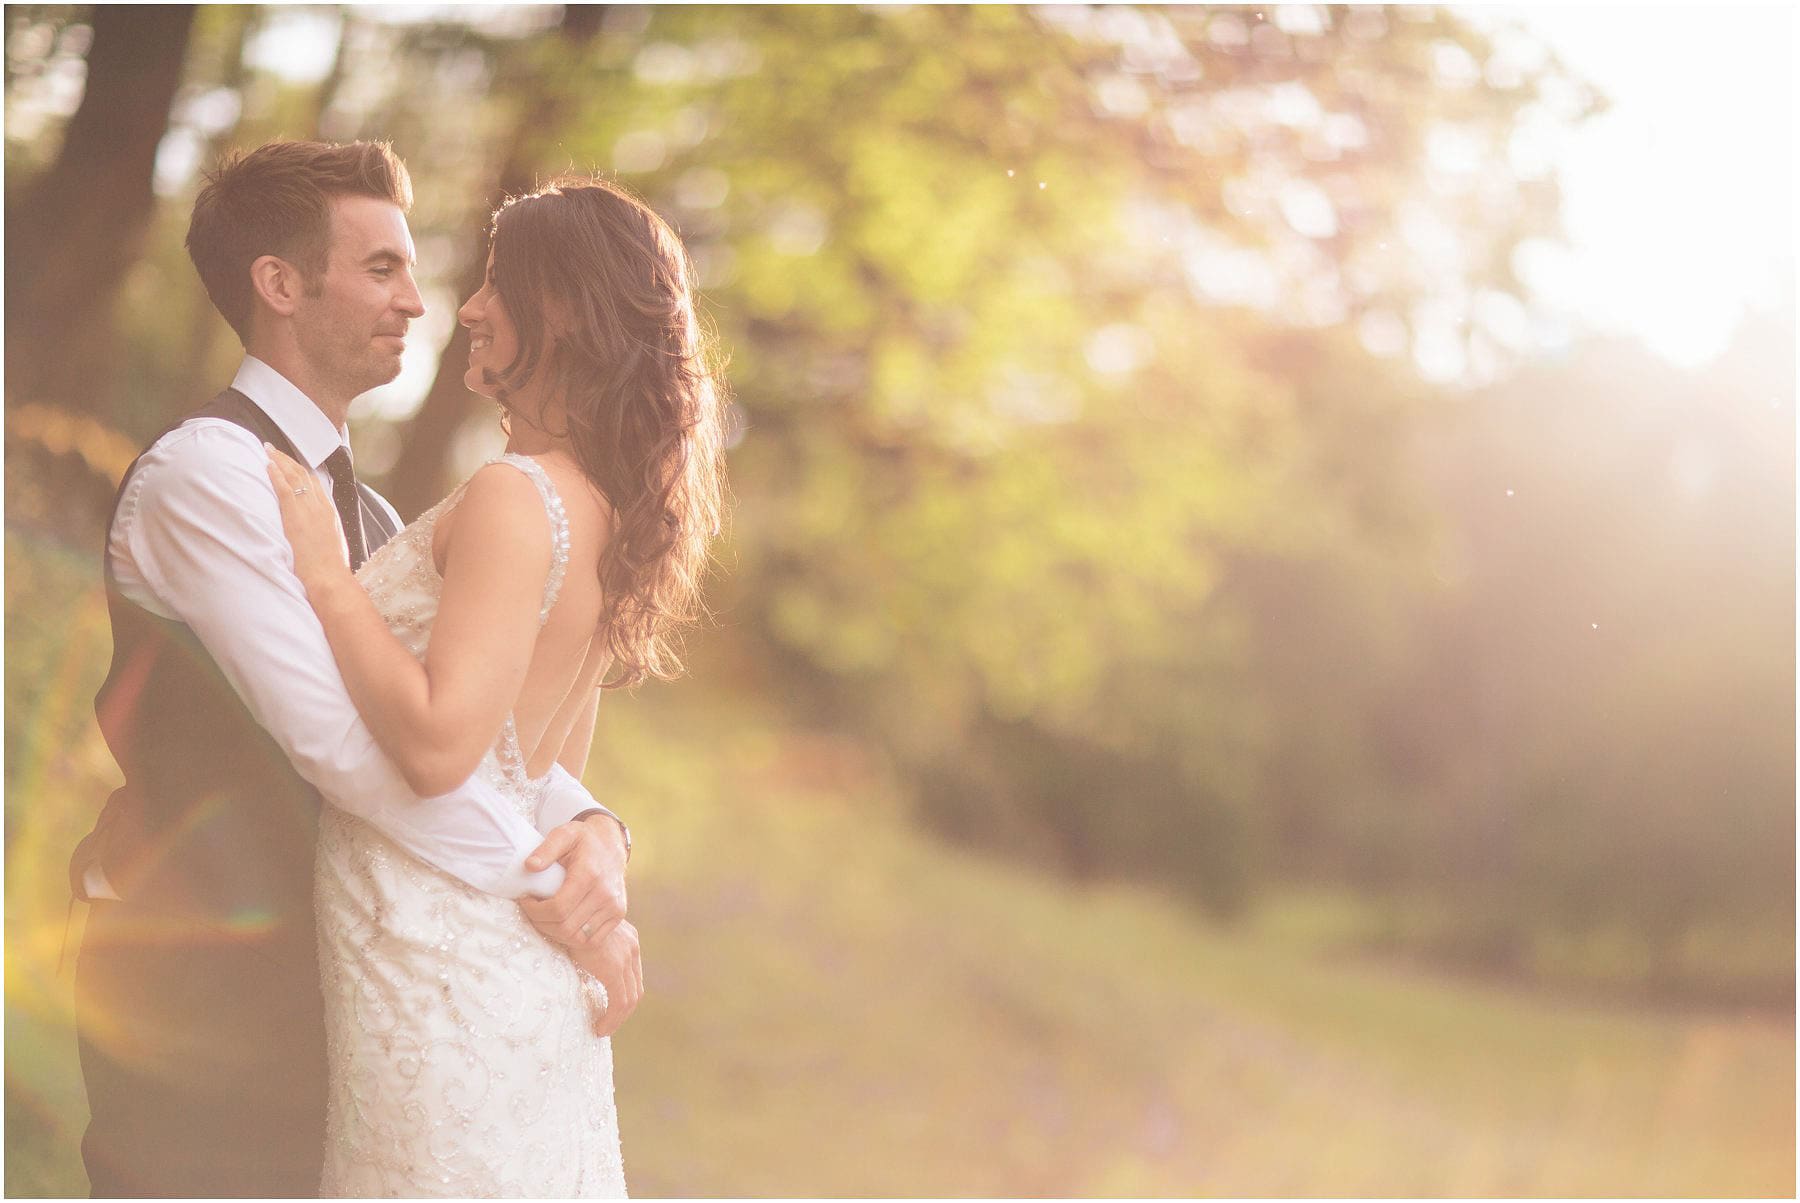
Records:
x=385, y=370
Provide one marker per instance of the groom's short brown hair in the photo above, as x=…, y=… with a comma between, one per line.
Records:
x=276, y=200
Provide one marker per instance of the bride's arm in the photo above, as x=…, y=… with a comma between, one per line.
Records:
x=434, y=718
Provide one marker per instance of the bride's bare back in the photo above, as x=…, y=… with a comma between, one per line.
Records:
x=560, y=692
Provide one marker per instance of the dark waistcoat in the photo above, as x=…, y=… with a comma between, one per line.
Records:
x=198, y=1000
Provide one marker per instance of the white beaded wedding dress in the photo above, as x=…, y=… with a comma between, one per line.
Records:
x=462, y=1062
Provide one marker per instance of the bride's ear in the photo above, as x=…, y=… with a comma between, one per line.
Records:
x=277, y=284
x=557, y=322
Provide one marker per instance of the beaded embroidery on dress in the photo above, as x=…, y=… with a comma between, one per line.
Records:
x=461, y=1058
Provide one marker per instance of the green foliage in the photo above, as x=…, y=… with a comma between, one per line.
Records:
x=1066, y=483
x=56, y=653
x=1001, y=467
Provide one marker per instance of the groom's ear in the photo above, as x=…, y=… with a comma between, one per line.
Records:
x=277, y=284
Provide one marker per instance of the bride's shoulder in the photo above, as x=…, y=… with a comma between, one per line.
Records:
x=507, y=481
x=581, y=501
x=501, y=505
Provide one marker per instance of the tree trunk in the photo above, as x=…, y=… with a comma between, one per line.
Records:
x=206, y=326
x=76, y=232
x=334, y=79
x=417, y=478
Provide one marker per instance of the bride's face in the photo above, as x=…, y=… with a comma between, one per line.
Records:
x=493, y=339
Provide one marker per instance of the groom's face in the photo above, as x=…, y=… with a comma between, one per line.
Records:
x=351, y=323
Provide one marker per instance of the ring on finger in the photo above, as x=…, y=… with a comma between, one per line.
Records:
x=587, y=932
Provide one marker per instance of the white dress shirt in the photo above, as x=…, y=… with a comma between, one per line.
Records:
x=197, y=538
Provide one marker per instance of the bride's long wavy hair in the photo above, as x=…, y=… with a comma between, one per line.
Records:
x=599, y=288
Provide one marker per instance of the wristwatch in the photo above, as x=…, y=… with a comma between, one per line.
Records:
x=624, y=827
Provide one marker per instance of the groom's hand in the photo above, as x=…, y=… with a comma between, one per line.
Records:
x=591, y=902
x=620, y=968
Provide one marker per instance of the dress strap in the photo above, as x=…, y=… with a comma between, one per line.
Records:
x=559, y=524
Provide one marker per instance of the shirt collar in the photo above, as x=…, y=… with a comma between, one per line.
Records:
x=312, y=433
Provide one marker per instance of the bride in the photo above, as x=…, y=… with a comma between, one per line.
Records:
x=467, y=1053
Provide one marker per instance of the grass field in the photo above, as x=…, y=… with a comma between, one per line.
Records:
x=839, y=1005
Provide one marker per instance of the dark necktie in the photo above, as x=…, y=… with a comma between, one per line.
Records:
x=349, y=508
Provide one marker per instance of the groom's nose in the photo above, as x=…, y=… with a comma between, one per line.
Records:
x=410, y=301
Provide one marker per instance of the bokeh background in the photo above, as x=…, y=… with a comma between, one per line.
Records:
x=1255, y=650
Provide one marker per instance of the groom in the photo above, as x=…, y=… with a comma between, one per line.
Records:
x=197, y=989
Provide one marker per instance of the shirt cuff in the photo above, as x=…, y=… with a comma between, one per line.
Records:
x=564, y=800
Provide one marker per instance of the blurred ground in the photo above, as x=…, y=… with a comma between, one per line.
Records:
x=838, y=1005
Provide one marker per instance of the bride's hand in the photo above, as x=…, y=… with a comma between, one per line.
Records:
x=309, y=518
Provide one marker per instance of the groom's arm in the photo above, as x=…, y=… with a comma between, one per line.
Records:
x=205, y=540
